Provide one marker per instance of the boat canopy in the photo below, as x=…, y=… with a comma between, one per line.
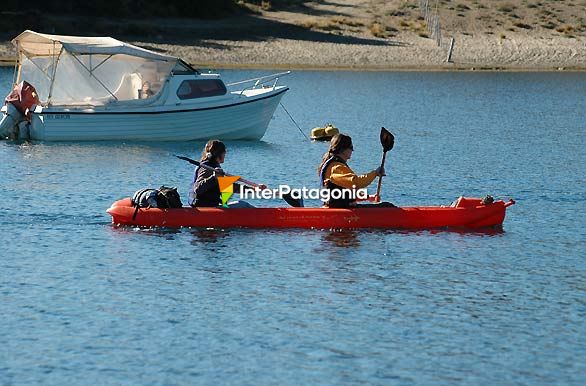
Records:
x=75, y=70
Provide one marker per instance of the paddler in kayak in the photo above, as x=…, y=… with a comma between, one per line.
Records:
x=335, y=174
x=205, y=190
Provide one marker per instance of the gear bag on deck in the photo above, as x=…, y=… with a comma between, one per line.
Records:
x=164, y=197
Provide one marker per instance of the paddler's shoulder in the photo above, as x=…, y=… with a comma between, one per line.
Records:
x=339, y=167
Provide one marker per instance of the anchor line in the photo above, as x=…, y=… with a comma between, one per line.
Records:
x=301, y=131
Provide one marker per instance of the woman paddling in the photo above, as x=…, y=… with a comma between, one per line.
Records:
x=205, y=190
x=336, y=176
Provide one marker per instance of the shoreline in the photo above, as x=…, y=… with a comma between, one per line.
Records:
x=6, y=63
x=352, y=35
x=407, y=52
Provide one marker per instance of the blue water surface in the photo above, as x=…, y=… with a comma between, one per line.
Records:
x=83, y=302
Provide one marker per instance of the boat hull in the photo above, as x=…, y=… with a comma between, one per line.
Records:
x=245, y=119
x=470, y=214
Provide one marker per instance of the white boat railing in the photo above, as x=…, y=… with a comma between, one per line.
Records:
x=260, y=81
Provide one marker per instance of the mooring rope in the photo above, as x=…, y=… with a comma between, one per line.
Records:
x=294, y=121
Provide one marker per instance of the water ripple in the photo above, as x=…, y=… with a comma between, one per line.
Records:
x=84, y=301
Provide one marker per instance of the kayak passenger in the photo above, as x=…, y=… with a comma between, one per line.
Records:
x=335, y=174
x=205, y=190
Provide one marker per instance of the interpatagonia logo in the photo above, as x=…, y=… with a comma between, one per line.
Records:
x=227, y=188
x=304, y=193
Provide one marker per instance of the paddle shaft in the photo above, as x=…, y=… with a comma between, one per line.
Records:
x=197, y=163
x=240, y=179
x=380, y=178
x=297, y=203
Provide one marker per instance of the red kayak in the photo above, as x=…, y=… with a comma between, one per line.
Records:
x=464, y=213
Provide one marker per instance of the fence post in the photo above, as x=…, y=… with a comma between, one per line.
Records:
x=449, y=59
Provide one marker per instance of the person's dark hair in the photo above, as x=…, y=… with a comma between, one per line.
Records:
x=213, y=149
x=338, y=144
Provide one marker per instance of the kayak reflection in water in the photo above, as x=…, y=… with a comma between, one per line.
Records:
x=205, y=189
x=336, y=175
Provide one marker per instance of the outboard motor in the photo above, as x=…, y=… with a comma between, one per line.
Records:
x=11, y=117
x=17, y=111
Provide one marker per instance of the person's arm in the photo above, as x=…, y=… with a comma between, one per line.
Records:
x=205, y=181
x=343, y=176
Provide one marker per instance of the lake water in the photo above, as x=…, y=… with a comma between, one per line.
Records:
x=83, y=302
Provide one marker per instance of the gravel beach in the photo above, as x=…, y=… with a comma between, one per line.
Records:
x=375, y=35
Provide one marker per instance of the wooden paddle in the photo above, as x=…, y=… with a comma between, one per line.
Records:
x=387, y=140
x=294, y=202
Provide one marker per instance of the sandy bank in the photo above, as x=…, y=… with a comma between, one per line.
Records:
x=370, y=35
x=515, y=52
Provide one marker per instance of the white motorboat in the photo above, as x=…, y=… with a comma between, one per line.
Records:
x=70, y=88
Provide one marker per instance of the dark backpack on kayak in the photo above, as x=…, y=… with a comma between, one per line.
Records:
x=164, y=198
x=168, y=198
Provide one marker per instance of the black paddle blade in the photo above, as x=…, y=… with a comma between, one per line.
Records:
x=294, y=202
x=386, y=139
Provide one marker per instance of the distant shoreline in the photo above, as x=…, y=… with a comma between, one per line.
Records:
x=516, y=53
x=350, y=35
x=6, y=63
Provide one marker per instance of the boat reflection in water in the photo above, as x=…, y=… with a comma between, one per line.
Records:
x=345, y=238
x=208, y=235
x=342, y=238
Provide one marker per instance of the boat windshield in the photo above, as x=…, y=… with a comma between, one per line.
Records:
x=94, y=79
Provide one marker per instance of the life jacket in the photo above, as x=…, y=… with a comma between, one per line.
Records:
x=211, y=197
x=342, y=202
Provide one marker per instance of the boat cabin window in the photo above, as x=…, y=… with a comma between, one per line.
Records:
x=201, y=88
